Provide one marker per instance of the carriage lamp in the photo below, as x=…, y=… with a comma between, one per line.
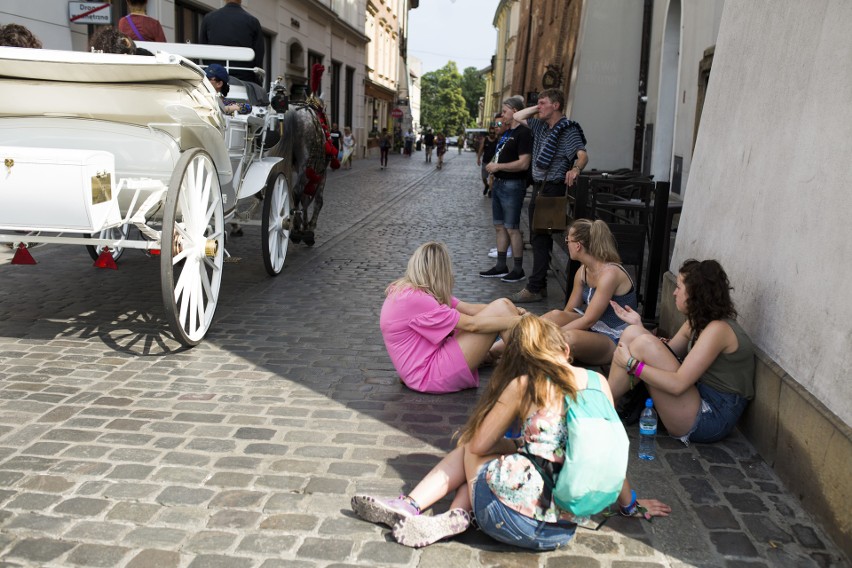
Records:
x=280, y=102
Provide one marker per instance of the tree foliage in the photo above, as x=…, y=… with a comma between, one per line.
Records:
x=442, y=103
x=473, y=89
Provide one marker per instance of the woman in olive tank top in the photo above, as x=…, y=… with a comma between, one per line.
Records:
x=702, y=378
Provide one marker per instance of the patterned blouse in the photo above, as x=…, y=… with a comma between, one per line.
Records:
x=516, y=482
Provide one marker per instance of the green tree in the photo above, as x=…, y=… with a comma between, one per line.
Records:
x=442, y=104
x=473, y=89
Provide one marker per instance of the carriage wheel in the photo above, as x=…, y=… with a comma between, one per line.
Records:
x=113, y=233
x=192, y=247
x=276, y=224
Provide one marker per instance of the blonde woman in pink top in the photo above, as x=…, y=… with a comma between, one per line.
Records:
x=435, y=341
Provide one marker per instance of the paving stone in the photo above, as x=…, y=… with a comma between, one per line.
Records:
x=385, y=553
x=137, y=513
x=807, y=537
x=325, y=549
x=97, y=531
x=266, y=544
x=37, y=522
x=9, y=478
x=233, y=519
x=208, y=445
x=210, y=542
x=230, y=479
x=237, y=462
x=81, y=506
x=699, y=490
x=46, y=448
x=130, y=471
x=203, y=417
x=281, y=563
x=254, y=434
x=47, y=483
x=765, y=529
x=39, y=550
x=97, y=555
x=86, y=451
x=352, y=469
x=730, y=477
x=155, y=537
x=746, y=502
x=235, y=498
x=180, y=475
x=327, y=485
x=155, y=559
x=33, y=501
x=212, y=561
x=266, y=449
x=184, y=496
x=733, y=543
x=290, y=522
x=132, y=491
x=717, y=517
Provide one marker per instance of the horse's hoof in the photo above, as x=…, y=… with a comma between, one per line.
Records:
x=296, y=237
x=309, y=239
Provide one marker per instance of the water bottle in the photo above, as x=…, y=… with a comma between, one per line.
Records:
x=647, y=431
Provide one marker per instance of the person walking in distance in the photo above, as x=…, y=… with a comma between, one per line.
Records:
x=429, y=143
x=559, y=155
x=509, y=167
x=440, y=148
x=384, y=147
x=232, y=25
x=138, y=26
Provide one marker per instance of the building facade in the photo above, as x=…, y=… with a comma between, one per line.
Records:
x=506, y=19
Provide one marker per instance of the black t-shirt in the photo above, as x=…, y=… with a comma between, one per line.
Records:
x=488, y=148
x=510, y=147
x=232, y=25
x=429, y=139
x=336, y=138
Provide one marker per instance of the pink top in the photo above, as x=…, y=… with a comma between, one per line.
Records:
x=419, y=334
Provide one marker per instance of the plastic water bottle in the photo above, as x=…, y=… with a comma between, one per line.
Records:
x=647, y=431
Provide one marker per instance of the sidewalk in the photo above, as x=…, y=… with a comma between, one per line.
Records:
x=119, y=449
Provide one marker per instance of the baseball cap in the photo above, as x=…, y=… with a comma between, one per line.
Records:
x=214, y=70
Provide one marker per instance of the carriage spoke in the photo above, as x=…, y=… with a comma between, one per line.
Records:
x=180, y=256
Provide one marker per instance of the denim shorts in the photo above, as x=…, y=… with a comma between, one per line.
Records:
x=717, y=416
x=507, y=200
x=510, y=527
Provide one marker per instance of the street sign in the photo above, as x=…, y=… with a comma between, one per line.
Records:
x=397, y=113
x=89, y=13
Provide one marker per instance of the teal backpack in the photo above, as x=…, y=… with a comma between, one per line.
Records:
x=595, y=454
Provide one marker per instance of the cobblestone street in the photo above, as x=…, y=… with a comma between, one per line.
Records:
x=120, y=449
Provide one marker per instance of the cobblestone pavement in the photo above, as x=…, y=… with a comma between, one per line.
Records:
x=117, y=448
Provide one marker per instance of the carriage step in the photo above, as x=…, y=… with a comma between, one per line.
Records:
x=23, y=256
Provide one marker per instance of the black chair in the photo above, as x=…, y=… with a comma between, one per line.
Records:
x=630, y=240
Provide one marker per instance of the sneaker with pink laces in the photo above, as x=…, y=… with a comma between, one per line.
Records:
x=384, y=511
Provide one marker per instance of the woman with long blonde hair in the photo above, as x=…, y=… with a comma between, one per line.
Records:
x=435, y=341
x=493, y=476
x=588, y=322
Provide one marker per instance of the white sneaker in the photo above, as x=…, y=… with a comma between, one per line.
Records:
x=493, y=252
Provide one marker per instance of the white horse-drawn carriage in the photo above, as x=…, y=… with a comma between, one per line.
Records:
x=121, y=152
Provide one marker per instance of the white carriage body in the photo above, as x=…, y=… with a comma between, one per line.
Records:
x=142, y=110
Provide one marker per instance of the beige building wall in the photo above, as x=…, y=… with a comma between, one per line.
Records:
x=506, y=19
x=604, y=80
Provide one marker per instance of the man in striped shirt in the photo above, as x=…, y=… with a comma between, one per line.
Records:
x=559, y=155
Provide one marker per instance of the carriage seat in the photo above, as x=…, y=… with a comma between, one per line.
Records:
x=247, y=91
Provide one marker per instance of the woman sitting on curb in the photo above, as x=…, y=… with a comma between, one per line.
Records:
x=490, y=478
x=435, y=341
x=702, y=378
x=590, y=326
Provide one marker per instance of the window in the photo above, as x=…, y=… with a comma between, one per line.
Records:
x=296, y=55
x=188, y=22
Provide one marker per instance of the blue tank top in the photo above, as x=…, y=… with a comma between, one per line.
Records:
x=609, y=323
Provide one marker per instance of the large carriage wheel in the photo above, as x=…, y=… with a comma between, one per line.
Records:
x=113, y=233
x=192, y=247
x=276, y=223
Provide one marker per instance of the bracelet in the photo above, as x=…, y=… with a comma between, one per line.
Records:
x=629, y=364
x=639, y=368
x=631, y=508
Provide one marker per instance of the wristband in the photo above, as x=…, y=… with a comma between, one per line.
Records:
x=630, y=509
x=629, y=364
x=639, y=368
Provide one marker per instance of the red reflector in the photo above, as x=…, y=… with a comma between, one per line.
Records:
x=105, y=260
x=154, y=252
x=23, y=256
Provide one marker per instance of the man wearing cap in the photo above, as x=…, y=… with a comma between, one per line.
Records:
x=232, y=25
x=218, y=77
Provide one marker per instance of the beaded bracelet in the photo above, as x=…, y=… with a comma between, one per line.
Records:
x=630, y=509
x=629, y=364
